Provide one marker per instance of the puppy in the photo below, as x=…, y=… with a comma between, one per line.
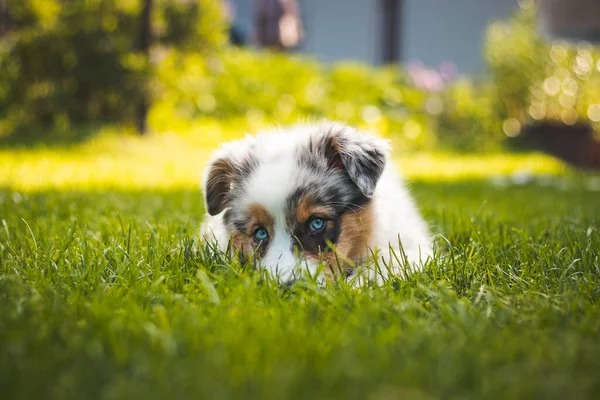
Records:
x=313, y=195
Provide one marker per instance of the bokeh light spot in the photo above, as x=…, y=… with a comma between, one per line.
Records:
x=567, y=101
x=412, y=130
x=537, y=111
x=552, y=86
x=558, y=53
x=511, y=127
x=371, y=114
x=570, y=86
x=434, y=105
x=569, y=116
x=286, y=104
x=593, y=112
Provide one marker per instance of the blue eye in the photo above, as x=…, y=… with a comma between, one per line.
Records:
x=261, y=235
x=316, y=224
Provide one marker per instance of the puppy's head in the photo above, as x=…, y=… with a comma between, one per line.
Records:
x=287, y=197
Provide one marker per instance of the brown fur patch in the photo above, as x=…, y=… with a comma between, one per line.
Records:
x=242, y=243
x=258, y=217
x=217, y=185
x=306, y=209
x=355, y=231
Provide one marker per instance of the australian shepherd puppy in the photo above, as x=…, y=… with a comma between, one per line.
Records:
x=310, y=196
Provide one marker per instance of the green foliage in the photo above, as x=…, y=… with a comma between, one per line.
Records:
x=106, y=294
x=469, y=119
x=515, y=54
x=537, y=79
x=261, y=86
x=196, y=25
x=70, y=61
x=80, y=61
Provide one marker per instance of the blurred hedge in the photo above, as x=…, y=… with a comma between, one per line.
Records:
x=79, y=61
x=263, y=87
x=540, y=80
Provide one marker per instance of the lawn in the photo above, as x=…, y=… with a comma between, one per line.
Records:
x=106, y=293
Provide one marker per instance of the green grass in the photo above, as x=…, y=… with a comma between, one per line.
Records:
x=94, y=303
x=112, y=159
x=106, y=293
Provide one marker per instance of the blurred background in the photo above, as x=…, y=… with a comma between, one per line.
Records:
x=171, y=79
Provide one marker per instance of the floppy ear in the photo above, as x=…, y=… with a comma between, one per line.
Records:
x=217, y=184
x=229, y=165
x=362, y=156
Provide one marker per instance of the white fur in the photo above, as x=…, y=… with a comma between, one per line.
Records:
x=397, y=222
x=396, y=215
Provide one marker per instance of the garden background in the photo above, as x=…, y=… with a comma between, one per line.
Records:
x=108, y=112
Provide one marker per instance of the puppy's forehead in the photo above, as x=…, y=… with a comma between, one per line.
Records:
x=272, y=181
x=275, y=170
x=289, y=167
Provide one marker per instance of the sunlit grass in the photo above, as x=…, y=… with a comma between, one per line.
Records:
x=170, y=160
x=107, y=294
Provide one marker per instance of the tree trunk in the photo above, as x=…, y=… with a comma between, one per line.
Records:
x=145, y=43
x=4, y=18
